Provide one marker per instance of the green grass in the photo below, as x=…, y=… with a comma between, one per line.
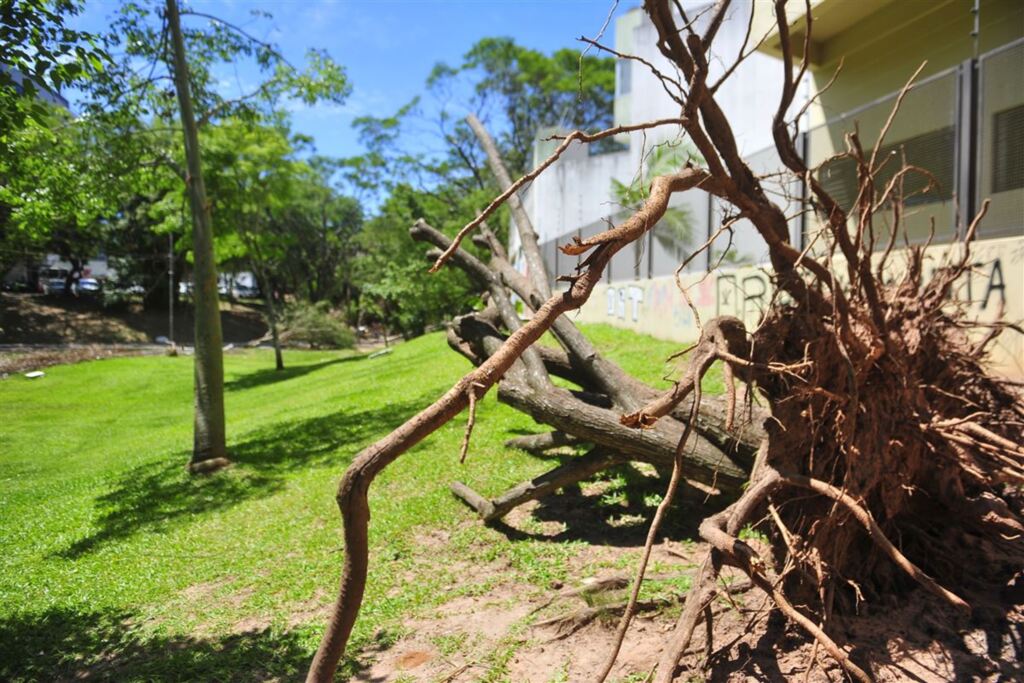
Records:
x=114, y=560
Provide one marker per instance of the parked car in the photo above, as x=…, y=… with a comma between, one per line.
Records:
x=54, y=285
x=53, y=280
x=88, y=286
x=245, y=291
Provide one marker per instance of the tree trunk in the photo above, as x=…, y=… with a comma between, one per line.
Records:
x=527, y=236
x=268, y=297
x=73, y=276
x=272, y=314
x=209, y=442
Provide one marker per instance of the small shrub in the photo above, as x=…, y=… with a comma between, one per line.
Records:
x=116, y=298
x=316, y=325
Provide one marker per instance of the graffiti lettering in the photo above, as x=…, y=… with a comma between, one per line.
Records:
x=616, y=298
x=754, y=288
x=636, y=295
x=995, y=284
x=724, y=295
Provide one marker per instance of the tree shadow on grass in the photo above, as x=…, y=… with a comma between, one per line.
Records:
x=271, y=375
x=64, y=644
x=158, y=495
x=621, y=513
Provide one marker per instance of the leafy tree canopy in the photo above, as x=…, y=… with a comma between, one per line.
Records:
x=39, y=55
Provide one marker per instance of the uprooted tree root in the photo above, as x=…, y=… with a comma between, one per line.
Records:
x=899, y=435
x=890, y=459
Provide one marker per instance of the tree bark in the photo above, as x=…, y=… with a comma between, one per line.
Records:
x=209, y=436
x=527, y=236
x=268, y=297
x=656, y=445
x=717, y=457
x=573, y=471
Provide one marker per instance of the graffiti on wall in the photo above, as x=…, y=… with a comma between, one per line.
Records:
x=983, y=285
x=746, y=294
x=994, y=284
x=743, y=295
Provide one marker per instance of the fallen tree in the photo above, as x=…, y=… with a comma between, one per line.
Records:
x=884, y=422
x=719, y=457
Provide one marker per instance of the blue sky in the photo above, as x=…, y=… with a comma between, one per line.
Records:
x=388, y=47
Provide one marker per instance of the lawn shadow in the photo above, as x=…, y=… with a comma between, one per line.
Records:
x=620, y=513
x=270, y=375
x=158, y=495
x=64, y=644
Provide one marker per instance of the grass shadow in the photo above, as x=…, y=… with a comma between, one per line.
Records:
x=63, y=644
x=621, y=512
x=272, y=375
x=159, y=495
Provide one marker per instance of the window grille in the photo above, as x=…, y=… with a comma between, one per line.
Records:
x=1008, y=150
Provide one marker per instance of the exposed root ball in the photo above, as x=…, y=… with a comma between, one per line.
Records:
x=905, y=421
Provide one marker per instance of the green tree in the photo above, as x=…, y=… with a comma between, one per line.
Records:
x=52, y=193
x=391, y=271
x=40, y=55
x=324, y=224
x=518, y=91
x=252, y=179
x=130, y=103
x=675, y=228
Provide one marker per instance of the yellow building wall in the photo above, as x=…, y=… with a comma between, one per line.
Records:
x=657, y=307
x=882, y=43
x=881, y=51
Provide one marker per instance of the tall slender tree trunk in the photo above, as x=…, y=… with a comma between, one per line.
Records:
x=272, y=314
x=209, y=442
x=268, y=296
x=528, y=238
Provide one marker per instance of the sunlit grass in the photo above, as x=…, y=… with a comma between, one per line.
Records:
x=113, y=559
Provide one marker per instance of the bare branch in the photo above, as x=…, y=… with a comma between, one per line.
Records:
x=515, y=187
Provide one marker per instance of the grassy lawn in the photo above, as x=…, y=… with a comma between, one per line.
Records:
x=115, y=563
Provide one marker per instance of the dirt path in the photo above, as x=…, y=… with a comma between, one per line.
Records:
x=16, y=358
x=506, y=633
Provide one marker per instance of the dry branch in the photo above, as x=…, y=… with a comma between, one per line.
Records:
x=879, y=401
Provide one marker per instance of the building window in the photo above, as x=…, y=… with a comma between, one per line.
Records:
x=625, y=76
x=839, y=178
x=1008, y=149
x=934, y=151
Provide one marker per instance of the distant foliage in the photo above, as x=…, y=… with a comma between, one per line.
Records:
x=318, y=326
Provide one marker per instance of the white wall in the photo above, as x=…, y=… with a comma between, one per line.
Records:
x=576, y=191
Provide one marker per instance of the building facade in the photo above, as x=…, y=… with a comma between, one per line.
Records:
x=963, y=121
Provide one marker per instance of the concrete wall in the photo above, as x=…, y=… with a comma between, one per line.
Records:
x=575, y=194
x=658, y=308
x=880, y=52
x=884, y=41
x=748, y=98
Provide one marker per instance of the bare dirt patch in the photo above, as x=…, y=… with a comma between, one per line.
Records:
x=39, y=319
x=459, y=636
x=14, y=360
x=206, y=589
x=251, y=624
x=500, y=631
x=315, y=609
x=460, y=641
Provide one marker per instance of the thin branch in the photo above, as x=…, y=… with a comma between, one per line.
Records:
x=567, y=140
x=470, y=421
x=665, y=80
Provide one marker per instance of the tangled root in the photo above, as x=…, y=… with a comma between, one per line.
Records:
x=895, y=429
